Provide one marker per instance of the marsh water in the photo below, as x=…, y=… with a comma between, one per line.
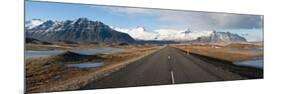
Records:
x=256, y=62
x=31, y=53
x=87, y=65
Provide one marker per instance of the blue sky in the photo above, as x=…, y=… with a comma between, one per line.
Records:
x=151, y=19
x=59, y=11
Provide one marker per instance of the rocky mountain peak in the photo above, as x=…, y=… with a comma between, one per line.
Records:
x=221, y=37
x=80, y=30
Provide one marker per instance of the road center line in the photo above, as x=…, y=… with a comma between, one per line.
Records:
x=173, y=79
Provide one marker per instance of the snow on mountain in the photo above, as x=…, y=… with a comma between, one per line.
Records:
x=141, y=33
x=81, y=30
x=50, y=28
x=169, y=34
x=180, y=35
x=217, y=37
x=33, y=23
x=195, y=34
x=138, y=33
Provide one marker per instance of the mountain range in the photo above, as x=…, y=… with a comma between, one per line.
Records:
x=79, y=30
x=85, y=30
x=140, y=33
x=215, y=37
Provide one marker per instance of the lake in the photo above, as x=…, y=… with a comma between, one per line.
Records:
x=256, y=62
x=31, y=53
x=87, y=65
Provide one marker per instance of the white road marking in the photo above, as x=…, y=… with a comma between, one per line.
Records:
x=172, y=73
x=173, y=79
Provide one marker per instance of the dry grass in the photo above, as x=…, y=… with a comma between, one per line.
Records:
x=43, y=76
x=243, y=46
x=43, y=70
x=223, y=53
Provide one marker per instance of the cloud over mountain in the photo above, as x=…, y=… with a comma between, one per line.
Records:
x=195, y=19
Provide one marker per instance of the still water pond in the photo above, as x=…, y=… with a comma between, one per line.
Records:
x=256, y=62
x=31, y=53
x=87, y=65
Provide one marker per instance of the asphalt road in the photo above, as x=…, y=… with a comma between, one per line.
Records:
x=167, y=66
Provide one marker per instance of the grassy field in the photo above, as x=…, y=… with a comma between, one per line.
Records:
x=224, y=52
x=47, y=74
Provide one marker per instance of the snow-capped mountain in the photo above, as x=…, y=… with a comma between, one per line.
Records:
x=80, y=30
x=84, y=30
x=180, y=35
x=33, y=23
x=221, y=37
x=140, y=33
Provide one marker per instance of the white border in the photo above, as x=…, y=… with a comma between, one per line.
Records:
x=11, y=39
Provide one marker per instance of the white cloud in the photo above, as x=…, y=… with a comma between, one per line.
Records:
x=194, y=20
x=201, y=23
x=138, y=33
x=133, y=11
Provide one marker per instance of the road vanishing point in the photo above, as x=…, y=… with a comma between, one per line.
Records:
x=169, y=65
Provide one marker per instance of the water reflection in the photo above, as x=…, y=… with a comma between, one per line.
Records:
x=87, y=65
x=256, y=62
